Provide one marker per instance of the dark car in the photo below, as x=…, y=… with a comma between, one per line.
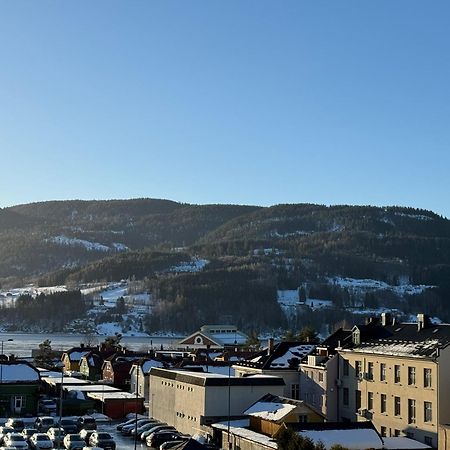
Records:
x=86, y=422
x=69, y=425
x=42, y=424
x=159, y=437
x=164, y=426
x=102, y=440
x=127, y=429
x=73, y=442
x=17, y=424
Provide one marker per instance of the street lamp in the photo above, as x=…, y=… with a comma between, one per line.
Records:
x=1, y=365
x=61, y=388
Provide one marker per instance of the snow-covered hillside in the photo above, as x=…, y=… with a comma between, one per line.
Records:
x=88, y=245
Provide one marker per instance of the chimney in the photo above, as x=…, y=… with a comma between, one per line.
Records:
x=269, y=346
x=385, y=319
x=422, y=321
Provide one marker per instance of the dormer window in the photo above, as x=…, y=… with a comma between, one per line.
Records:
x=356, y=336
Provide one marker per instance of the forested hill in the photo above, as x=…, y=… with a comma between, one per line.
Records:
x=234, y=262
x=362, y=242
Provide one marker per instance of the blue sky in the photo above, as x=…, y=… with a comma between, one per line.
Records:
x=251, y=101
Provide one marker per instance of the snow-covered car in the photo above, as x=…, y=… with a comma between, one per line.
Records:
x=17, y=424
x=86, y=434
x=40, y=441
x=43, y=423
x=15, y=440
x=3, y=432
x=74, y=442
x=28, y=432
x=102, y=440
x=56, y=435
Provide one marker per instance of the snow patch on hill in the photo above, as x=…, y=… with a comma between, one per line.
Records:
x=88, y=245
x=194, y=265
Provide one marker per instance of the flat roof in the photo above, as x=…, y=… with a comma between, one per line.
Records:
x=216, y=379
x=91, y=388
x=120, y=395
x=67, y=381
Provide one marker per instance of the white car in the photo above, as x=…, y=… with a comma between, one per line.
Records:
x=15, y=440
x=40, y=441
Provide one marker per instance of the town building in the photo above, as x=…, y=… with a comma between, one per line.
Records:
x=214, y=337
x=397, y=376
x=194, y=400
x=282, y=360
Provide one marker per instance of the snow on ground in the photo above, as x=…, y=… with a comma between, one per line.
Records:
x=317, y=303
x=194, y=265
x=414, y=216
x=288, y=297
x=88, y=245
x=367, y=285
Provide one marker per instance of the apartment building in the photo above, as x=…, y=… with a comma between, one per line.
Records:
x=397, y=376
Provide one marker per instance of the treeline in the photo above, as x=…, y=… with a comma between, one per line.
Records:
x=120, y=266
x=50, y=312
x=245, y=296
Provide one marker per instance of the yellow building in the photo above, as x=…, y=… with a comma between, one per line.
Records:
x=397, y=376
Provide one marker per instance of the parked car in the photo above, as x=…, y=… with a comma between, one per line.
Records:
x=40, y=441
x=86, y=422
x=102, y=440
x=56, y=435
x=47, y=406
x=43, y=423
x=28, y=432
x=126, y=429
x=86, y=434
x=17, y=424
x=147, y=433
x=4, y=431
x=159, y=437
x=15, y=440
x=90, y=448
x=169, y=444
x=128, y=422
x=145, y=427
x=73, y=441
x=69, y=425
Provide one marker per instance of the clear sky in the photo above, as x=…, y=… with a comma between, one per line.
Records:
x=249, y=101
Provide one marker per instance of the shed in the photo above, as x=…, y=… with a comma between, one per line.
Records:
x=118, y=404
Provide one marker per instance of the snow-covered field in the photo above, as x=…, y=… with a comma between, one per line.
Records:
x=194, y=265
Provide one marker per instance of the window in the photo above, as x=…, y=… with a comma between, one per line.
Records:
x=427, y=378
x=320, y=377
x=428, y=441
x=411, y=411
x=397, y=433
x=396, y=373
x=383, y=431
x=19, y=402
x=411, y=375
x=397, y=409
x=427, y=412
x=357, y=400
x=383, y=403
x=346, y=367
x=370, y=371
x=382, y=372
x=295, y=391
x=345, y=396
x=370, y=401
x=358, y=366
x=303, y=418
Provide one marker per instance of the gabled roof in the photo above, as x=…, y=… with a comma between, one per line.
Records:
x=76, y=353
x=216, y=335
x=285, y=355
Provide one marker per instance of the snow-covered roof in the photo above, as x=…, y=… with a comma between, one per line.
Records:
x=119, y=395
x=18, y=372
x=411, y=349
x=403, y=443
x=270, y=410
x=77, y=355
x=146, y=367
x=247, y=434
x=299, y=351
x=353, y=439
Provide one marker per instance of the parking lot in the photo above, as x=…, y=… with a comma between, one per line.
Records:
x=122, y=442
